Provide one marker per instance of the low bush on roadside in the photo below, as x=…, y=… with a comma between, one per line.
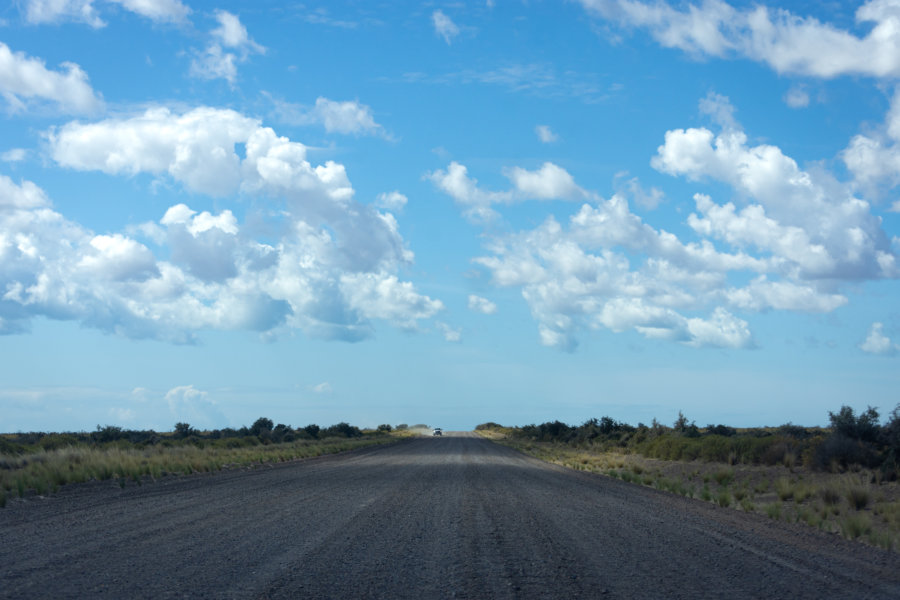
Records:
x=830, y=496
x=41, y=463
x=723, y=499
x=840, y=479
x=856, y=526
x=724, y=476
x=784, y=489
x=858, y=497
x=853, y=440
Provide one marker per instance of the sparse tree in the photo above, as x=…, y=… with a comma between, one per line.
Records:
x=342, y=429
x=864, y=427
x=890, y=437
x=684, y=428
x=282, y=433
x=183, y=430
x=109, y=433
x=681, y=423
x=262, y=426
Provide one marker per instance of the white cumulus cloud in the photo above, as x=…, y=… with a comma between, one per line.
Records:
x=393, y=201
x=795, y=238
x=877, y=342
x=230, y=45
x=196, y=147
x=347, y=117
x=482, y=305
x=25, y=80
x=874, y=157
x=56, y=11
x=631, y=187
x=84, y=11
x=330, y=271
x=189, y=405
x=786, y=42
x=159, y=11
x=14, y=155
x=549, y=182
x=813, y=226
x=232, y=33
x=455, y=182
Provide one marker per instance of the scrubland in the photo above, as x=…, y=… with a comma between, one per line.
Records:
x=841, y=479
x=40, y=463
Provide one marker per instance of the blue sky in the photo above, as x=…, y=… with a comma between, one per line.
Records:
x=447, y=213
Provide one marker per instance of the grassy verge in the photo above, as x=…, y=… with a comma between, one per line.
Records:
x=857, y=504
x=45, y=471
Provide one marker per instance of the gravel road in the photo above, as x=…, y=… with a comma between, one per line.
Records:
x=447, y=517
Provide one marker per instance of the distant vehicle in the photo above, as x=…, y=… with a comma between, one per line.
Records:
x=437, y=431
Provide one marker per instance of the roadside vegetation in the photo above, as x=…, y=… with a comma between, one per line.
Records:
x=842, y=478
x=40, y=463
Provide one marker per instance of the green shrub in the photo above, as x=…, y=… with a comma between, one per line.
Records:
x=723, y=499
x=724, y=476
x=56, y=441
x=881, y=538
x=184, y=430
x=856, y=525
x=864, y=427
x=802, y=492
x=858, y=497
x=810, y=517
x=830, y=496
x=840, y=451
x=784, y=488
x=10, y=448
x=722, y=430
x=341, y=429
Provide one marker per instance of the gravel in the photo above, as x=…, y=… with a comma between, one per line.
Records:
x=449, y=517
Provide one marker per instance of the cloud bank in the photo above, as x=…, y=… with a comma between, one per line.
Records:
x=790, y=239
x=786, y=42
x=333, y=269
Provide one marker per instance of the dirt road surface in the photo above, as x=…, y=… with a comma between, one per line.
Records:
x=450, y=517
